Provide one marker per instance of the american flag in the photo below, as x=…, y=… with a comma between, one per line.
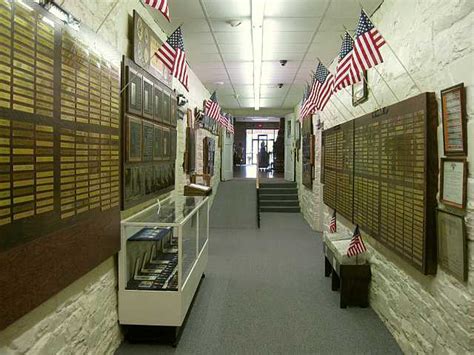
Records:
x=367, y=44
x=212, y=108
x=324, y=86
x=345, y=73
x=172, y=54
x=309, y=105
x=332, y=223
x=356, y=245
x=161, y=6
x=228, y=123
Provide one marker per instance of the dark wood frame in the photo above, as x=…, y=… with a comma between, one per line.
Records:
x=427, y=102
x=462, y=91
x=365, y=91
x=308, y=133
x=464, y=182
x=464, y=257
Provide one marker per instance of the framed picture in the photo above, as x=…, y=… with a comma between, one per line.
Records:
x=134, y=91
x=453, y=182
x=360, y=93
x=148, y=140
x=166, y=143
x=452, y=244
x=453, y=106
x=134, y=139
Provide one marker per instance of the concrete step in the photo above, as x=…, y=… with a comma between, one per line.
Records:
x=279, y=191
x=267, y=197
x=277, y=203
x=278, y=184
x=284, y=209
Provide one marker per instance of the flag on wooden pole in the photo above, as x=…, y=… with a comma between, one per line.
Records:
x=212, y=108
x=324, y=86
x=172, y=54
x=332, y=223
x=160, y=5
x=367, y=44
x=356, y=245
x=346, y=75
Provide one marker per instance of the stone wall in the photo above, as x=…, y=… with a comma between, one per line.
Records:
x=83, y=318
x=434, y=39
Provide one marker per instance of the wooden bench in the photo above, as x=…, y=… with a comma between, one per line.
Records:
x=349, y=274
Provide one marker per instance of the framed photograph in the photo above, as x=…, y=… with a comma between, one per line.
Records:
x=134, y=91
x=360, y=92
x=134, y=139
x=453, y=106
x=147, y=98
x=453, y=182
x=452, y=244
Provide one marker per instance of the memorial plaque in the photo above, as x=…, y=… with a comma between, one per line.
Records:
x=59, y=169
x=452, y=244
x=157, y=139
x=209, y=147
x=165, y=107
x=134, y=139
x=147, y=98
x=134, y=91
x=148, y=141
x=173, y=111
x=395, y=171
x=149, y=149
x=454, y=120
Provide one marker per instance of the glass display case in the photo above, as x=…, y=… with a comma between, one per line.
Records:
x=162, y=259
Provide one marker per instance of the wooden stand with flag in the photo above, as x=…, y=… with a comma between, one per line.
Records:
x=352, y=279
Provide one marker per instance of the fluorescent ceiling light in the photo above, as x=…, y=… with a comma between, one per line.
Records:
x=260, y=119
x=258, y=7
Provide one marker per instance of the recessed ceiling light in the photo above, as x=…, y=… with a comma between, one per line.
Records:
x=219, y=82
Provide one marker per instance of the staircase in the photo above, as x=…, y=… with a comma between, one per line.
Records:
x=278, y=197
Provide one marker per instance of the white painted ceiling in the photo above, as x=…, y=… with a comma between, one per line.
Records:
x=300, y=31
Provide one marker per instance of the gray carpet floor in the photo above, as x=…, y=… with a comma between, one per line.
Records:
x=265, y=292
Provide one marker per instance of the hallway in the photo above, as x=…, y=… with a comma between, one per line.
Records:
x=265, y=291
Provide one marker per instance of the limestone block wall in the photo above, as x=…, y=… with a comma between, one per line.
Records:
x=83, y=318
x=434, y=39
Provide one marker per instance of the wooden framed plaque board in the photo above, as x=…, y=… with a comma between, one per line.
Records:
x=381, y=172
x=59, y=157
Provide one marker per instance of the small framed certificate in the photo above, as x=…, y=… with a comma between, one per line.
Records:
x=454, y=182
x=452, y=244
x=454, y=120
